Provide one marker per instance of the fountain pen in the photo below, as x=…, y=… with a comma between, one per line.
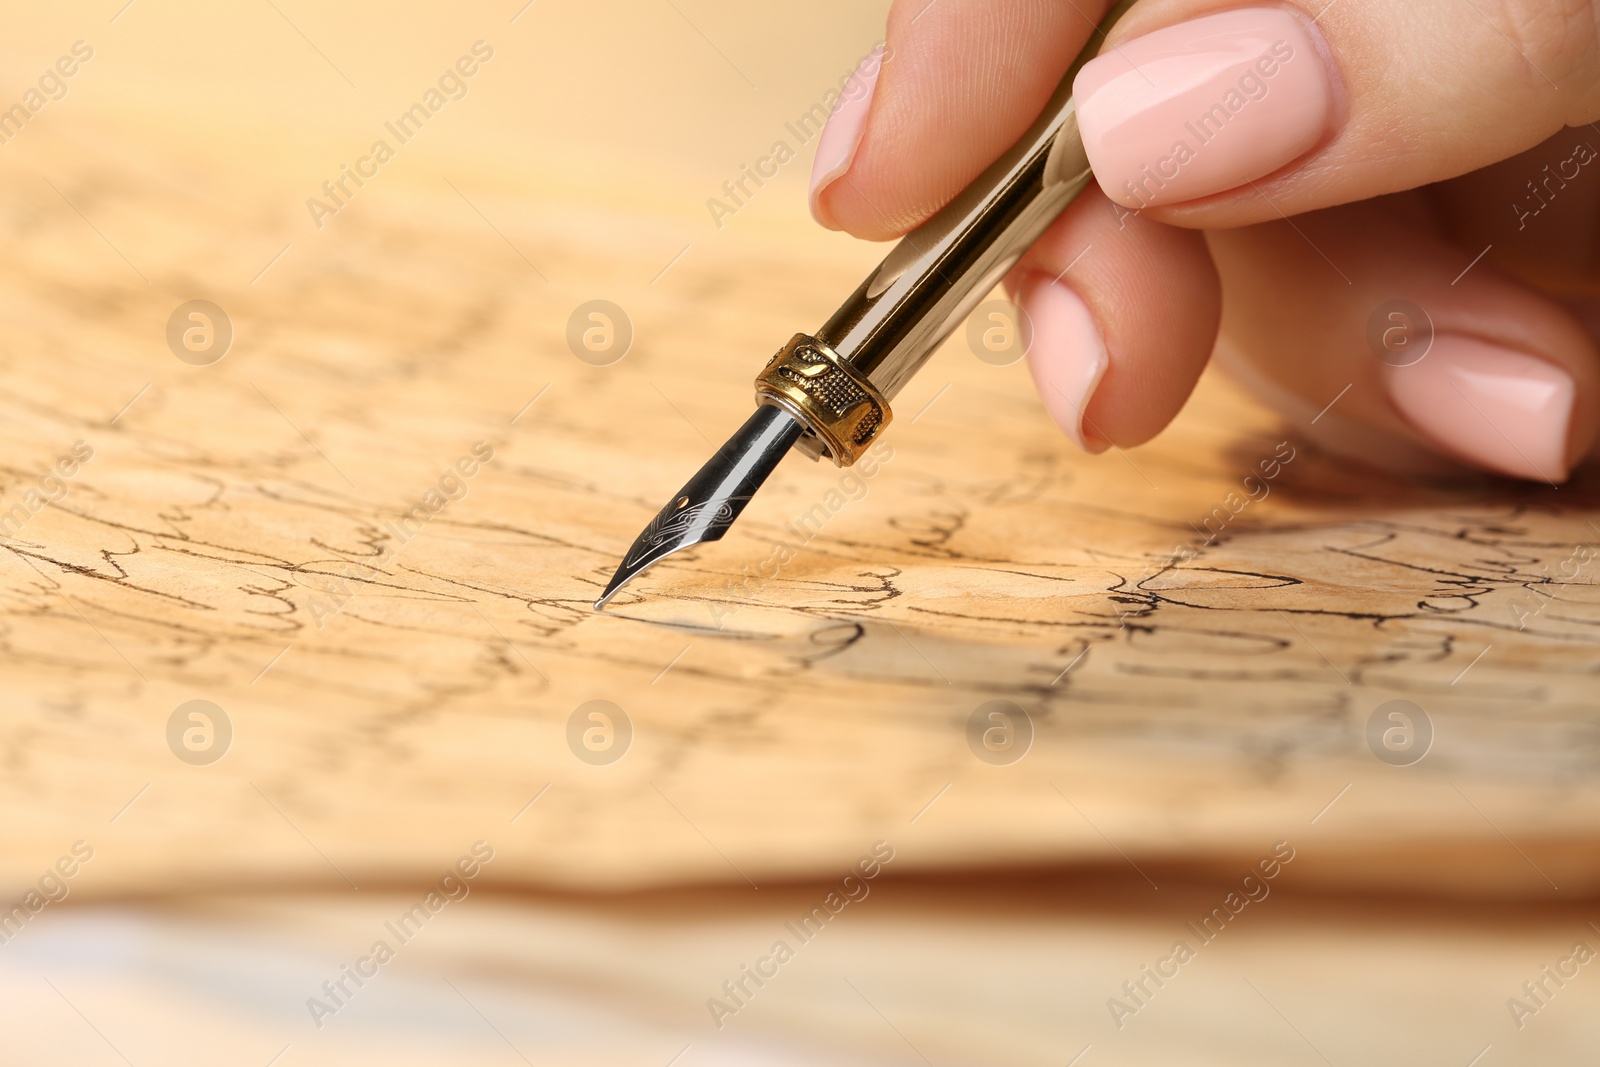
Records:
x=827, y=394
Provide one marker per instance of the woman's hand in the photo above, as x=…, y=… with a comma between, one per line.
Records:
x=1322, y=180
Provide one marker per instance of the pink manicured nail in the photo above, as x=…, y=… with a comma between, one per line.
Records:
x=1067, y=355
x=836, y=148
x=1494, y=407
x=1203, y=106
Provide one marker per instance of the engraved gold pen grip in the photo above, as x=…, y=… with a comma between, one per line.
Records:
x=840, y=408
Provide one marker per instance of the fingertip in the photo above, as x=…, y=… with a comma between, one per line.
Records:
x=1066, y=353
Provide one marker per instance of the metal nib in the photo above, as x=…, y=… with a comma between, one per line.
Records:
x=705, y=507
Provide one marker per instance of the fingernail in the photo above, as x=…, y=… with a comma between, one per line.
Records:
x=841, y=136
x=1066, y=355
x=1203, y=106
x=1491, y=406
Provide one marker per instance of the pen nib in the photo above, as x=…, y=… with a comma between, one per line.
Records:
x=705, y=507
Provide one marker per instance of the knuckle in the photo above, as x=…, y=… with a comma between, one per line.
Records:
x=1559, y=39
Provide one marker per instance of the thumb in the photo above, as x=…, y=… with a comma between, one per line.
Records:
x=1224, y=117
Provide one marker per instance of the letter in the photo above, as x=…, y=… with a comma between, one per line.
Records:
x=1583, y=952
x=1161, y=967
x=833, y=500
x=1218, y=117
x=361, y=967
x=83, y=450
x=719, y=1011
x=482, y=849
x=810, y=123
x=851, y=893
x=1199, y=135
x=484, y=451
x=1234, y=902
x=321, y=610
x=828, y=99
x=1221, y=917
x=1263, y=888
x=83, y=850
x=785, y=552
x=417, y=115
x=432, y=501
x=1127, y=987
x=467, y=867
x=434, y=902
x=66, y=866
x=12, y=922
x=1268, y=867
x=33, y=100
x=453, y=887
x=1584, y=153
x=467, y=466
x=339, y=984
x=1519, y=1011
x=742, y=984
x=82, y=50
x=782, y=952
x=50, y=82
x=1119, y=1010
x=1262, y=486
x=14, y=520
x=318, y=1010
x=1279, y=451
x=1544, y=983
x=1270, y=468
x=1284, y=851
x=1234, y=503
x=727, y=987
x=745, y=967
x=66, y=466
x=381, y=951
x=452, y=487
x=434, y=99
x=1252, y=86
x=1267, y=65
x=1561, y=168
x=402, y=938
x=762, y=971
x=1234, y=101
x=452, y=86
x=35, y=500
x=419, y=915
x=18, y=116
x=1149, y=976
x=318, y=210
x=327, y=987
x=1161, y=168
x=1182, y=152
x=733, y=194
x=33, y=901
x=483, y=51
x=805, y=932
x=883, y=850
x=467, y=66
x=363, y=171
x=350, y=975
x=744, y=168
x=773, y=563
x=834, y=902
x=53, y=888
x=868, y=867
x=819, y=514
x=53, y=487
x=67, y=66
x=743, y=181
x=1283, y=50
x=782, y=153
x=1222, y=517
x=1184, y=953
x=719, y=210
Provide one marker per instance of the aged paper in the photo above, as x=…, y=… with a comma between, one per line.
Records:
x=371, y=535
